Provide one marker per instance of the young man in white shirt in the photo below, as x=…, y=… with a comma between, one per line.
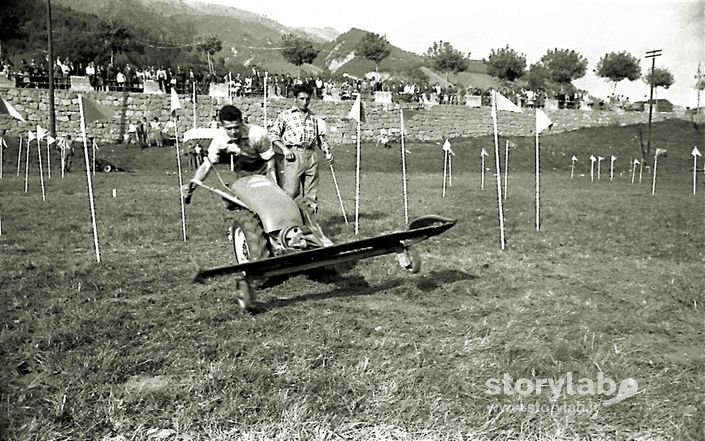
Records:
x=249, y=143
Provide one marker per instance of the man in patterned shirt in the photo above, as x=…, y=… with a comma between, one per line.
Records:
x=249, y=142
x=297, y=132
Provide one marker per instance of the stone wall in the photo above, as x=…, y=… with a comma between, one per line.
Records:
x=436, y=123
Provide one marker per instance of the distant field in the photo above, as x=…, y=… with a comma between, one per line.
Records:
x=611, y=288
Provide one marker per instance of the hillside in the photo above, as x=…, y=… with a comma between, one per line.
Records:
x=164, y=32
x=248, y=38
x=339, y=55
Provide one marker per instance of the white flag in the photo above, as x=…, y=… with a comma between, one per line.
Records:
x=695, y=151
x=7, y=109
x=503, y=103
x=175, y=103
x=484, y=153
x=50, y=140
x=660, y=152
x=446, y=147
x=31, y=136
x=543, y=122
x=41, y=133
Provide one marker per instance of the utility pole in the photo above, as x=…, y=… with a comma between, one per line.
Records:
x=651, y=54
x=52, y=115
x=699, y=87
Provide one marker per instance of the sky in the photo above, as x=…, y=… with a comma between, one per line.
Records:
x=591, y=27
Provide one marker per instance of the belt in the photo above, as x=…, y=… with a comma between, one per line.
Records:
x=301, y=147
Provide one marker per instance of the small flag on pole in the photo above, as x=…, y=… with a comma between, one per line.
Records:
x=696, y=154
x=41, y=133
x=660, y=152
x=543, y=122
x=31, y=136
x=408, y=113
x=175, y=103
x=92, y=111
x=358, y=111
x=7, y=109
x=503, y=103
x=50, y=140
x=446, y=148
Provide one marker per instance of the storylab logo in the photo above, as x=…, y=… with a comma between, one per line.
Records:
x=566, y=385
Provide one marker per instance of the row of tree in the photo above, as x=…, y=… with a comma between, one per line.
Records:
x=554, y=72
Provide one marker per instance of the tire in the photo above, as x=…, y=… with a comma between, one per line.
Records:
x=107, y=168
x=249, y=241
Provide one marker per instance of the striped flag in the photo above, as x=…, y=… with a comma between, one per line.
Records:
x=7, y=109
x=358, y=111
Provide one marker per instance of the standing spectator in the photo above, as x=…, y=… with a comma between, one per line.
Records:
x=120, y=79
x=296, y=132
x=161, y=78
x=141, y=123
x=67, y=153
x=156, y=132
x=132, y=133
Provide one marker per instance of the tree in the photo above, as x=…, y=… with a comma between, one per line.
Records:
x=373, y=47
x=297, y=50
x=210, y=45
x=116, y=37
x=564, y=65
x=538, y=78
x=446, y=58
x=617, y=66
x=506, y=64
x=662, y=77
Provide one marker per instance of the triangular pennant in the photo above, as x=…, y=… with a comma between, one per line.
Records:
x=593, y=158
x=175, y=103
x=660, y=151
x=543, y=122
x=7, y=109
x=695, y=151
x=31, y=136
x=503, y=103
x=92, y=111
x=408, y=113
x=41, y=133
x=446, y=147
x=357, y=112
x=484, y=153
x=613, y=158
x=636, y=161
x=573, y=158
x=600, y=158
x=50, y=140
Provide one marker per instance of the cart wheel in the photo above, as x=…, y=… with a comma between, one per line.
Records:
x=410, y=260
x=243, y=294
x=107, y=168
x=249, y=242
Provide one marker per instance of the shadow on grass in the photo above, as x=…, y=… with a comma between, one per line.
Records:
x=355, y=285
x=346, y=286
x=437, y=278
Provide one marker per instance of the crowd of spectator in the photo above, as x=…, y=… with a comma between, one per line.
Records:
x=126, y=77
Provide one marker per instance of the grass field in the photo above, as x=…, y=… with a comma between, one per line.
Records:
x=131, y=348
